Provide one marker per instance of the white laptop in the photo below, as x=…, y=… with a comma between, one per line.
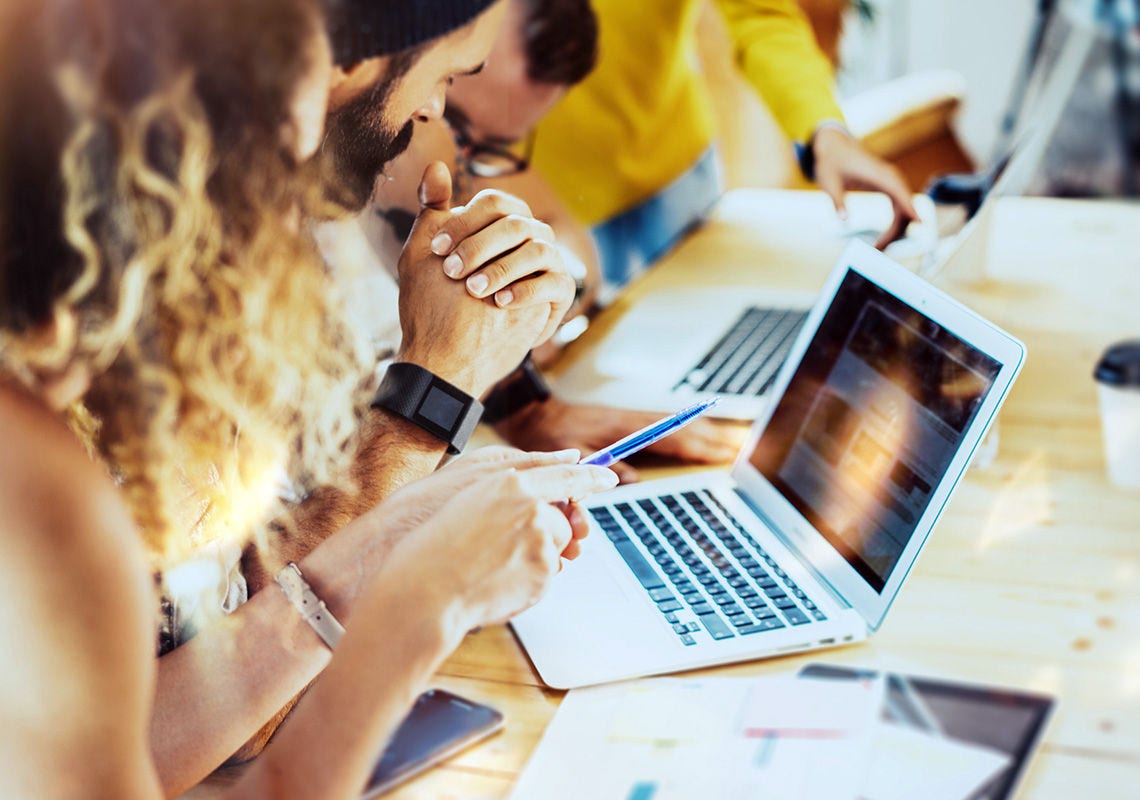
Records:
x=886, y=392
x=677, y=347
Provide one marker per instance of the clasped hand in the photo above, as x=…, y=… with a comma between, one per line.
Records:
x=480, y=285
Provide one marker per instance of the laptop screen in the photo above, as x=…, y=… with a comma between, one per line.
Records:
x=870, y=422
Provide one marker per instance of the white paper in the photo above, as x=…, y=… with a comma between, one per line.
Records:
x=811, y=708
x=678, y=739
x=908, y=763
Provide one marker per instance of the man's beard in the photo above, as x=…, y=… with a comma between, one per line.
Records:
x=358, y=145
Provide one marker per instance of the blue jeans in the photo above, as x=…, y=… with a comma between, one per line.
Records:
x=631, y=241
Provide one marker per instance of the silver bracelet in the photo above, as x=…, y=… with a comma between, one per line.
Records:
x=311, y=608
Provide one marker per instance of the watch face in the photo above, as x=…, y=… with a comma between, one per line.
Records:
x=441, y=408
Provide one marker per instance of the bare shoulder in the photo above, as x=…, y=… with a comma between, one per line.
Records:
x=77, y=605
x=48, y=478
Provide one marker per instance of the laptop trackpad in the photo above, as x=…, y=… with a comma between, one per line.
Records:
x=589, y=620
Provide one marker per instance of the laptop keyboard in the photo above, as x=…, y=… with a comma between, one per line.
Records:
x=701, y=576
x=746, y=359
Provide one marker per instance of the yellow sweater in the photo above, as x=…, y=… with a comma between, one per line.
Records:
x=643, y=116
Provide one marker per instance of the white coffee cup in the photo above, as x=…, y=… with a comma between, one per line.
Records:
x=1118, y=384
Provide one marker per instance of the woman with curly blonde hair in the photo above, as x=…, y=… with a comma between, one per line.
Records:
x=167, y=354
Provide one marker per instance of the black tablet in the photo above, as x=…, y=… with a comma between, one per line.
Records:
x=1006, y=720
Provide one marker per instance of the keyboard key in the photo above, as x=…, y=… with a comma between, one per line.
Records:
x=762, y=625
x=684, y=539
x=687, y=640
x=640, y=567
x=819, y=615
x=716, y=627
x=796, y=617
x=602, y=515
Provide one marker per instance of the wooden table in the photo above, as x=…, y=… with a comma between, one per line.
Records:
x=1032, y=579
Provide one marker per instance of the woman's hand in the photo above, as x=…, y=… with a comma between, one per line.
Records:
x=491, y=549
x=421, y=500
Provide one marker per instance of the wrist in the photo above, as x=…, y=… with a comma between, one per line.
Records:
x=409, y=586
x=522, y=389
x=425, y=399
x=817, y=148
x=431, y=610
x=462, y=375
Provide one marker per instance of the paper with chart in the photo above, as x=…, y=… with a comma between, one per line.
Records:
x=670, y=738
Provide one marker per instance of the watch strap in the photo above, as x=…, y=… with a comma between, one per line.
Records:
x=311, y=608
x=521, y=388
x=423, y=398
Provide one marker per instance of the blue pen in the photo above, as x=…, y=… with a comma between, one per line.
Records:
x=647, y=436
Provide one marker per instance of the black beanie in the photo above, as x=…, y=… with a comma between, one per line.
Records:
x=363, y=29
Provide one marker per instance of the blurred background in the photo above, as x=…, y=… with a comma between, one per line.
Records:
x=941, y=87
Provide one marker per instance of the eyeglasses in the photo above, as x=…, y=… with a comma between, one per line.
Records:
x=487, y=159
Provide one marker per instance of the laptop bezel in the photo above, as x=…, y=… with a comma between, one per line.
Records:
x=787, y=522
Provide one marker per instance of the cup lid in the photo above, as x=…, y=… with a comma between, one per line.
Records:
x=1120, y=364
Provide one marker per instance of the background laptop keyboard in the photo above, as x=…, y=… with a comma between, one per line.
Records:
x=707, y=575
x=746, y=359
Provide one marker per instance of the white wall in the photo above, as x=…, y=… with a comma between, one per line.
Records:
x=984, y=40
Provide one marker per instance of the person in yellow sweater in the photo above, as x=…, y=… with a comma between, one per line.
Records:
x=630, y=150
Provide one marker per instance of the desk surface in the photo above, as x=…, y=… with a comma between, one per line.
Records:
x=1032, y=578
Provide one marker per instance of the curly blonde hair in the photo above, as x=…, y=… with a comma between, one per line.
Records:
x=182, y=277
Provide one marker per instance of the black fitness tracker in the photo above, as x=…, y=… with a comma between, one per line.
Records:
x=521, y=388
x=426, y=400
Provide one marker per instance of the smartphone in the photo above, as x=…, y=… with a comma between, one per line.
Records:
x=439, y=725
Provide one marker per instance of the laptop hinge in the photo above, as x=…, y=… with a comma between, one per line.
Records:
x=793, y=549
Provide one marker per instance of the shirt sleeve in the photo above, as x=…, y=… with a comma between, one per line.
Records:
x=775, y=48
